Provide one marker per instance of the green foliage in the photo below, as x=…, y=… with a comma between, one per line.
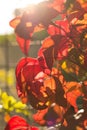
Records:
x=5, y=39
x=40, y=35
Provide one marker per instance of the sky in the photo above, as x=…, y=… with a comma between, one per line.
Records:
x=7, y=8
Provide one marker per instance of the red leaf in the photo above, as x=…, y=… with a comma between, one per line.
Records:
x=46, y=59
x=61, y=46
x=23, y=44
x=17, y=122
x=27, y=68
x=14, y=22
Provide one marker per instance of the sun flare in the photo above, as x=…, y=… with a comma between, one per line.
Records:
x=27, y=2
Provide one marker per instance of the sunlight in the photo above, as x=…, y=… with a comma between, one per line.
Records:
x=8, y=10
x=1, y=106
x=23, y=3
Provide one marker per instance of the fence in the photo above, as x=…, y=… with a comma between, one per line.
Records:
x=10, y=54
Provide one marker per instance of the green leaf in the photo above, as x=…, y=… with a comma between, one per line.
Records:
x=40, y=35
x=69, y=76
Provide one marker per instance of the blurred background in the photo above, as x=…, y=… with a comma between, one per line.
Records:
x=10, y=54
